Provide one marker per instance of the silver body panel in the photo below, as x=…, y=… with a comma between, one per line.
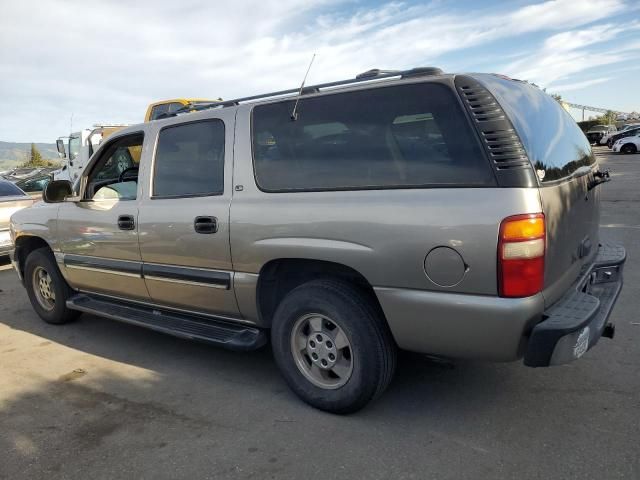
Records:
x=90, y=229
x=573, y=215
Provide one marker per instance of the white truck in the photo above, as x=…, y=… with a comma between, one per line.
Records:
x=79, y=148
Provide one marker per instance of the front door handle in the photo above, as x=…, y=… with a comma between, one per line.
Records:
x=126, y=222
x=205, y=225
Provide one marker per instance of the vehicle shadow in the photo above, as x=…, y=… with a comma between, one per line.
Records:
x=419, y=379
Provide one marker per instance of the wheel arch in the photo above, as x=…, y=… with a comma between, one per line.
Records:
x=631, y=145
x=25, y=244
x=279, y=276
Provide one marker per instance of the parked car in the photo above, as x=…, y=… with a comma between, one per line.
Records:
x=605, y=139
x=431, y=212
x=629, y=144
x=20, y=173
x=595, y=133
x=12, y=199
x=35, y=184
x=626, y=133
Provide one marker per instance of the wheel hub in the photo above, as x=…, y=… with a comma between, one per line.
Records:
x=43, y=288
x=322, y=351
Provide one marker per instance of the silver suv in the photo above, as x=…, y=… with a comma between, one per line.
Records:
x=454, y=215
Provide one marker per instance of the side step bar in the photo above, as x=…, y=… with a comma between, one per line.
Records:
x=218, y=332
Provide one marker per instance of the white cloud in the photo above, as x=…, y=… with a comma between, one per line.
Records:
x=106, y=60
x=571, y=52
x=579, y=85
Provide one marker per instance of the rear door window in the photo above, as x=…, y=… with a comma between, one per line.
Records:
x=404, y=136
x=190, y=160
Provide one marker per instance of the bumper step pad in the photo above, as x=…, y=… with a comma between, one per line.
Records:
x=576, y=322
x=205, y=329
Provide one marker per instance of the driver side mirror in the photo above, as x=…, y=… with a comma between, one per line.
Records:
x=57, y=191
x=60, y=147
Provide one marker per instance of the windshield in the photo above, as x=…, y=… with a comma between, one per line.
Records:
x=74, y=147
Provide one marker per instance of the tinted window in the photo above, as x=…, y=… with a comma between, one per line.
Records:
x=190, y=160
x=402, y=136
x=551, y=137
x=164, y=108
x=8, y=189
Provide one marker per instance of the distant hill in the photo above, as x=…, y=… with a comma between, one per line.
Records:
x=12, y=154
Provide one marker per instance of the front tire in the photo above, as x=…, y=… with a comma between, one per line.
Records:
x=628, y=148
x=47, y=289
x=332, y=346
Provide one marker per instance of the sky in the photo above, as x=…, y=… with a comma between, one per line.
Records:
x=107, y=60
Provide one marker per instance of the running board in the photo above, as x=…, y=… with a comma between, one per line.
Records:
x=218, y=332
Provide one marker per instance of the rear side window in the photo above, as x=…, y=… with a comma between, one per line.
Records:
x=551, y=137
x=8, y=189
x=190, y=160
x=390, y=137
x=164, y=108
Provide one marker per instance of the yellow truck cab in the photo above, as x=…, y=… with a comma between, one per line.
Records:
x=155, y=110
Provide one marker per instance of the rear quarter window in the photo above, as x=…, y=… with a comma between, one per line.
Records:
x=403, y=136
x=552, y=139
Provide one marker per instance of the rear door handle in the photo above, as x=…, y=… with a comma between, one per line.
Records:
x=205, y=225
x=126, y=222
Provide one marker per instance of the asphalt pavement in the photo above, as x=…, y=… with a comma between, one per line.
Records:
x=102, y=400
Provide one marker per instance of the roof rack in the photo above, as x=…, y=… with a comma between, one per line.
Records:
x=369, y=75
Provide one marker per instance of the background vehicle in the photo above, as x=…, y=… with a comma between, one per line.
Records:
x=629, y=132
x=12, y=199
x=80, y=146
x=166, y=107
x=35, y=184
x=595, y=133
x=605, y=139
x=20, y=173
x=433, y=212
x=630, y=144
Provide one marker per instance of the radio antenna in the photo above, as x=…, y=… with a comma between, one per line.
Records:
x=294, y=114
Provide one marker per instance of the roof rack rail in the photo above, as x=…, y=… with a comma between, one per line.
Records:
x=376, y=72
x=369, y=75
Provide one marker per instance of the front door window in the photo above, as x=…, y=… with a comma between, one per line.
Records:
x=115, y=175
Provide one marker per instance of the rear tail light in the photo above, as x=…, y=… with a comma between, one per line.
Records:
x=521, y=248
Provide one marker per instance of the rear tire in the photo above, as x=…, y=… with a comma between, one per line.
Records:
x=354, y=355
x=47, y=289
x=628, y=148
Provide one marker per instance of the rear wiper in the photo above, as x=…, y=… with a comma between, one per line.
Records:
x=598, y=178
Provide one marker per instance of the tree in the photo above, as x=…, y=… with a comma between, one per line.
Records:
x=557, y=97
x=35, y=159
x=608, y=118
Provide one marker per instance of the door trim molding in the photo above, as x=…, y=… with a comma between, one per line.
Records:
x=153, y=271
x=186, y=275
x=103, y=265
